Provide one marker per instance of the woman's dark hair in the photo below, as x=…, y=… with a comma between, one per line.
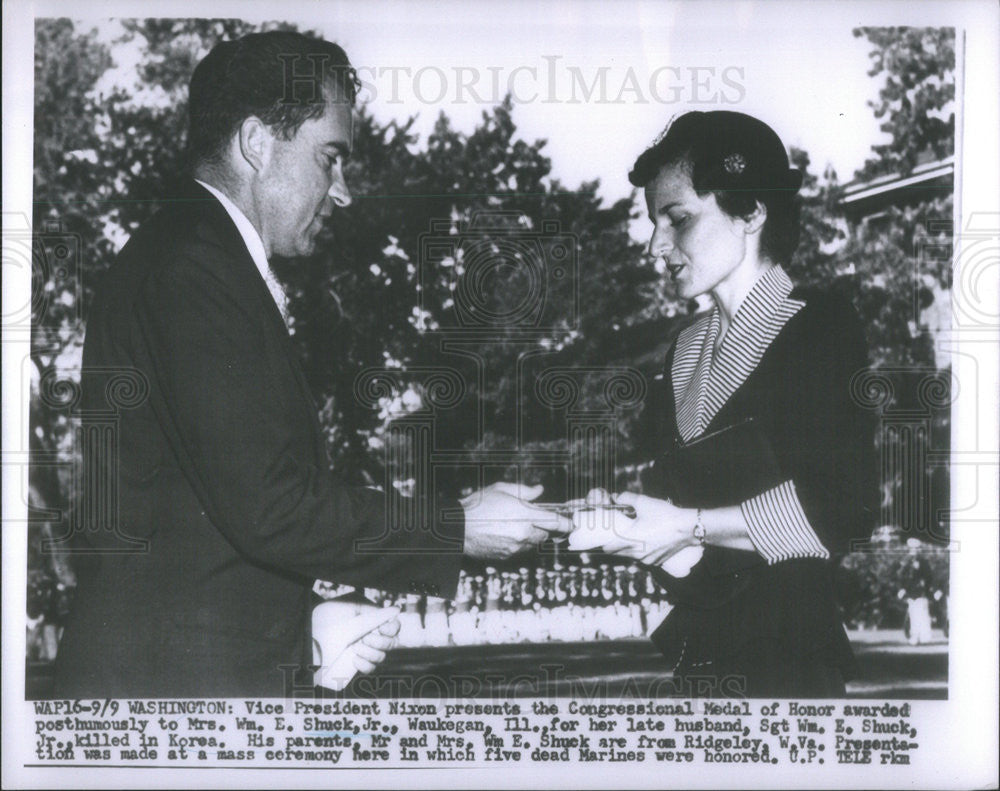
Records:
x=281, y=77
x=741, y=161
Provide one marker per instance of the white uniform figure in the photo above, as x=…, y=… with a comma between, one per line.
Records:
x=919, y=612
x=435, y=622
x=491, y=612
x=478, y=610
x=462, y=620
x=411, y=628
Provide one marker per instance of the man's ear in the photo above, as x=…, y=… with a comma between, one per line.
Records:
x=755, y=220
x=256, y=143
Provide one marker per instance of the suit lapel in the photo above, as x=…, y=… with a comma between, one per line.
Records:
x=252, y=289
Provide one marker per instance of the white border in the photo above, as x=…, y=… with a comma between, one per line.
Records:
x=959, y=740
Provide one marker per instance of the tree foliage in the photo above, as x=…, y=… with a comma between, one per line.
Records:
x=373, y=297
x=896, y=264
x=916, y=98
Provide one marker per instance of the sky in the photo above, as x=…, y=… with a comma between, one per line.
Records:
x=599, y=80
x=798, y=67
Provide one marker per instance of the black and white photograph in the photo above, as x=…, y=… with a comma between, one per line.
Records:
x=565, y=393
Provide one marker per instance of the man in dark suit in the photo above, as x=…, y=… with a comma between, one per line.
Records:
x=220, y=464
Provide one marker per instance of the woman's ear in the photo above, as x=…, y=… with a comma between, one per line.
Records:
x=755, y=220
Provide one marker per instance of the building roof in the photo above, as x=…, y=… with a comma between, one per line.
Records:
x=926, y=180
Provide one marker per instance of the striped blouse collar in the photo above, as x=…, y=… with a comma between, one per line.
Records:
x=703, y=378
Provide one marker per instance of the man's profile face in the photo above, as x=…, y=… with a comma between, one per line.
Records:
x=304, y=181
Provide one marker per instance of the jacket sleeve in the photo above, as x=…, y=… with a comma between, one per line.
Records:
x=778, y=526
x=239, y=425
x=825, y=439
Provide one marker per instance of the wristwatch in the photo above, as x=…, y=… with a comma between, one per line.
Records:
x=699, y=530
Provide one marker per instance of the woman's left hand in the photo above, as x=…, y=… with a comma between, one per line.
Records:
x=659, y=530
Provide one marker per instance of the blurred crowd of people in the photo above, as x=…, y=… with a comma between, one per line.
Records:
x=563, y=603
x=903, y=585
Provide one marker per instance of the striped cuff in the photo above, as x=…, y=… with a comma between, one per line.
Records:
x=778, y=526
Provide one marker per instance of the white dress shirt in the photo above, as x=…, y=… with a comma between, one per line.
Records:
x=255, y=246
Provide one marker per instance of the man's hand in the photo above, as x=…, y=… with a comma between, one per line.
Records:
x=500, y=521
x=350, y=638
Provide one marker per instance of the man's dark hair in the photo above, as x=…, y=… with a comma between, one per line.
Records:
x=742, y=162
x=283, y=78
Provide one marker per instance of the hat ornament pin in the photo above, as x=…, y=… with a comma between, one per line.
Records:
x=734, y=164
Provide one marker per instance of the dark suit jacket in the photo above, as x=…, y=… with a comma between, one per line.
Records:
x=794, y=417
x=219, y=464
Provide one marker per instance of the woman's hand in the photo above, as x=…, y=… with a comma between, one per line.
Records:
x=659, y=531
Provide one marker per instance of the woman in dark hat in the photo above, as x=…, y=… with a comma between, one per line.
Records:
x=766, y=469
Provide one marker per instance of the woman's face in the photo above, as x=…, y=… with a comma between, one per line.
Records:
x=702, y=246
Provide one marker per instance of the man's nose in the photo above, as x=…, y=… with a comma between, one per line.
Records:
x=339, y=191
